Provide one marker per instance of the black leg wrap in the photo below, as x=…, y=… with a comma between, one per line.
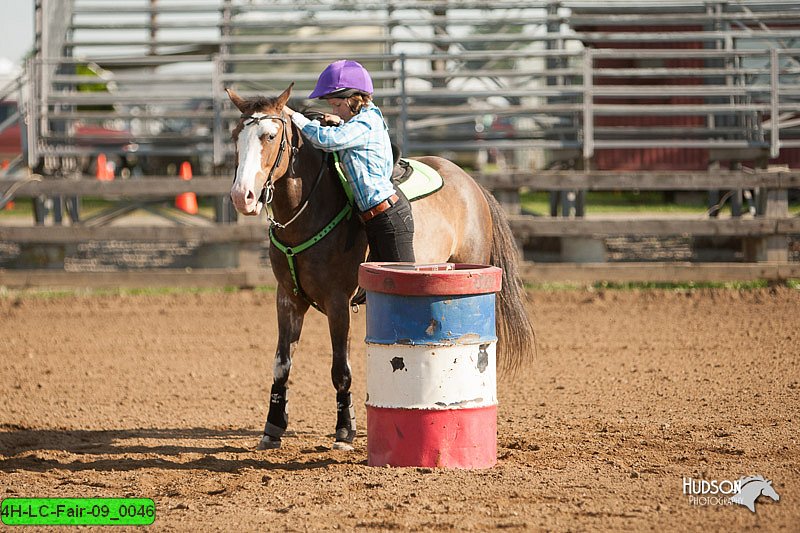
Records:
x=345, y=417
x=278, y=417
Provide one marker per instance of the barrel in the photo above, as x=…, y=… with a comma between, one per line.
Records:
x=431, y=364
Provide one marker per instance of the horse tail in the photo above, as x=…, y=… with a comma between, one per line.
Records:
x=516, y=340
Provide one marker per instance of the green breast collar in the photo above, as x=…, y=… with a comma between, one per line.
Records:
x=291, y=251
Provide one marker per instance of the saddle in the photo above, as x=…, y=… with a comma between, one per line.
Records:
x=416, y=180
x=401, y=171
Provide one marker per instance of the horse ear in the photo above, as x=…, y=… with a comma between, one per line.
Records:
x=284, y=97
x=237, y=100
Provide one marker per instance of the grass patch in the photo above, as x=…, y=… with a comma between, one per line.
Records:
x=555, y=286
x=690, y=285
x=87, y=293
x=616, y=202
x=44, y=294
x=538, y=202
x=91, y=206
x=6, y=293
x=619, y=202
x=269, y=289
x=667, y=286
x=157, y=291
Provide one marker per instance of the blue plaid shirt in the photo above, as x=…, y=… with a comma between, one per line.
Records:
x=365, y=151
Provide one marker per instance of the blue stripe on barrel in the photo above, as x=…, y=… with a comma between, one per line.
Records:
x=434, y=320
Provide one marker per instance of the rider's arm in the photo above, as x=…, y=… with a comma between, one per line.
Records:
x=333, y=138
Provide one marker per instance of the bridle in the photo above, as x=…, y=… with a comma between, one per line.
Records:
x=266, y=195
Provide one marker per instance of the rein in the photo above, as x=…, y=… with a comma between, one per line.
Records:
x=273, y=222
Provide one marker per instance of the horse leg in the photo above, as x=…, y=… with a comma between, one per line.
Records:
x=291, y=311
x=339, y=326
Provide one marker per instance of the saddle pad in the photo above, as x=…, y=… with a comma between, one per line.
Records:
x=422, y=182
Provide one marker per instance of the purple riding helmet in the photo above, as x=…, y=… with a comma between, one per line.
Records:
x=342, y=79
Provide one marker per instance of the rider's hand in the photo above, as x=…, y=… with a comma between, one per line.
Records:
x=333, y=120
x=288, y=110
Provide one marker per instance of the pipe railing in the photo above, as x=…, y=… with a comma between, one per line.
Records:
x=757, y=90
x=767, y=95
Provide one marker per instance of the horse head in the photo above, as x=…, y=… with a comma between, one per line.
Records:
x=769, y=491
x=751, y=488
x=262, y=139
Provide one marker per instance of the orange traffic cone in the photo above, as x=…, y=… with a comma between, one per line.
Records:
x=103, y=172
x=186, y=201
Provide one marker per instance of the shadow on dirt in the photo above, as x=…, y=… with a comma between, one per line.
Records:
x=38, y=450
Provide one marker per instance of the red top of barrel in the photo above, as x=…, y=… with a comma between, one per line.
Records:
x=409, y=279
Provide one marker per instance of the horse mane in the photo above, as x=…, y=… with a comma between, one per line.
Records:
x=254, y=105
x=258, y=103
x=745, y=480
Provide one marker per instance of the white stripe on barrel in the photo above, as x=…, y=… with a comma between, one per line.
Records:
x=431, y=364
x=431, y=377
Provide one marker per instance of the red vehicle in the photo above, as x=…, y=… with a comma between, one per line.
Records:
x=10, y=137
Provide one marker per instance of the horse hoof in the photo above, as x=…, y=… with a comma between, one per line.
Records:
x=345, y=435
x=268, y=443
x=343, y=446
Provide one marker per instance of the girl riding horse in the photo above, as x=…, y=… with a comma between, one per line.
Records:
x=362, y=138
x=318, y=244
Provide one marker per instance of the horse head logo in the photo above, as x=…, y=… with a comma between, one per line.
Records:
x=750, y=488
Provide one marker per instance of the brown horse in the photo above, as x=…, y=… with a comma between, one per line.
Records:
x=461, y=223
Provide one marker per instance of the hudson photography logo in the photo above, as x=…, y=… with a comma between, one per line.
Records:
x=744, y=491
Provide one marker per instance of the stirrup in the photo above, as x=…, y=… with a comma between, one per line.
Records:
x=359, y=298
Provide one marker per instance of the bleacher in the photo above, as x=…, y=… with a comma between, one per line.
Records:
x=525, y=81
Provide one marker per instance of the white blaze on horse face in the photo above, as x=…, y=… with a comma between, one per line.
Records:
x=249, y=175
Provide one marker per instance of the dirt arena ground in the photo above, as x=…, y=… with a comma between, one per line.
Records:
x=164, y=396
